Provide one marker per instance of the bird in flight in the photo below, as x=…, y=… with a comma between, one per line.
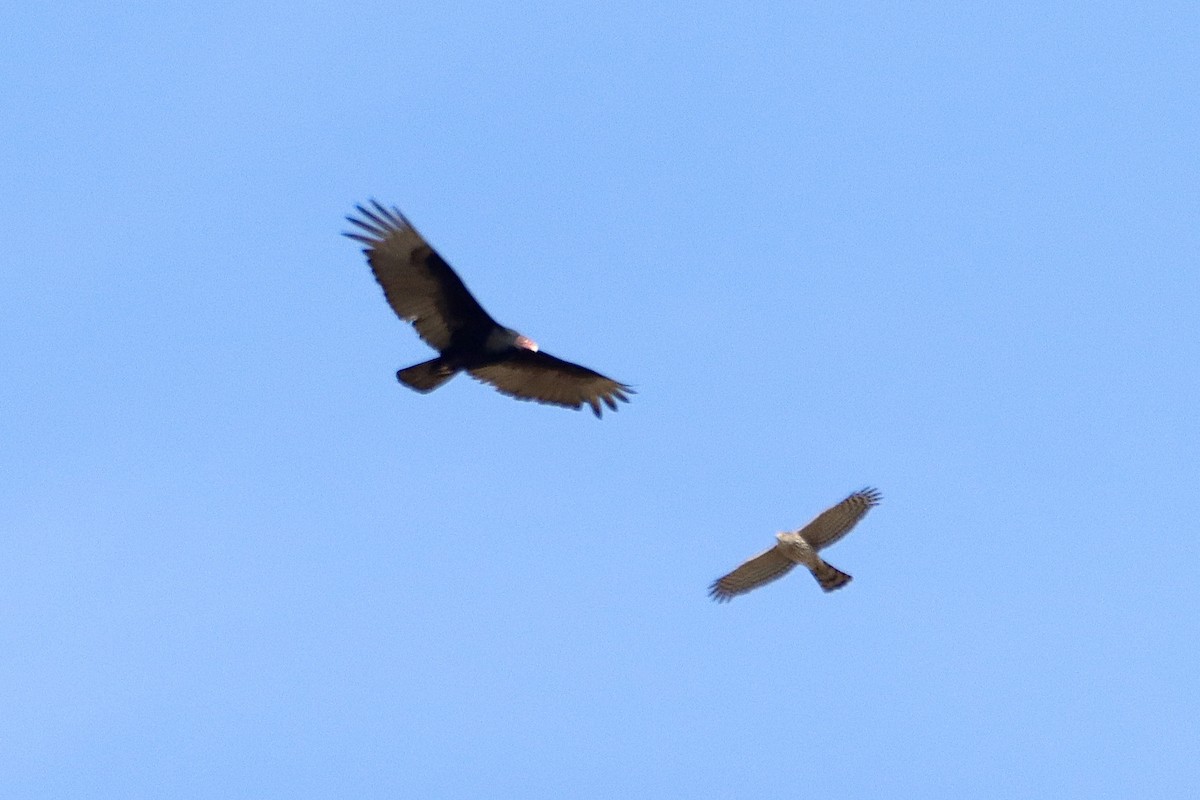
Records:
x=800, y=547
x=422, y=289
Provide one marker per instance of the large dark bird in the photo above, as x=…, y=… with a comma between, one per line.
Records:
x=423, y=289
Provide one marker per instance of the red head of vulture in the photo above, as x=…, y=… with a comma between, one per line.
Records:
x=422, y=289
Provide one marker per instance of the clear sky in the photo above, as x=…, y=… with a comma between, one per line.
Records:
x=943, y=249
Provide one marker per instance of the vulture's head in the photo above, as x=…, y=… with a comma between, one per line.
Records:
x=525, y=343
x=501, y=340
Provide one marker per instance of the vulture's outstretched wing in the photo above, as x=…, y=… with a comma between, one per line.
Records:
x=765, y=567
x=418, y=283
x=529, y=375
x=834, y=523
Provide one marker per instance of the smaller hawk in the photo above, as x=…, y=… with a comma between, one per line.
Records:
x=800, y=547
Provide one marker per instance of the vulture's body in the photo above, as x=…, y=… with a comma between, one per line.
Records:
x=423, y=290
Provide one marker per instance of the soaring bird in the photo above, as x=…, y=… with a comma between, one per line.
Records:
x=800, y=547
x=422, y=289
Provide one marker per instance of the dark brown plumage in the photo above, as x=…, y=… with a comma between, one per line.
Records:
x=423, y=289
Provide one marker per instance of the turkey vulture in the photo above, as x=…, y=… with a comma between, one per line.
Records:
x=800, y=547
x=422, y=289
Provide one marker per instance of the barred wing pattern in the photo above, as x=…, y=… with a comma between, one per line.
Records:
x=834, y=523
x=769, y=565
x=800, y=547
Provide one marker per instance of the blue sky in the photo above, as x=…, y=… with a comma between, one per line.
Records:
x=950, y=251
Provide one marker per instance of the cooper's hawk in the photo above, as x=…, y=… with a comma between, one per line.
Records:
x=800, y=547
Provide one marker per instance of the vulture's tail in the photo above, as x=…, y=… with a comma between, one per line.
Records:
x=427, y=376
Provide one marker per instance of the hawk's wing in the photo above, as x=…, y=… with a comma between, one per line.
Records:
x=834, y=523
x=530, y=375
x=762, y=569
x=418, y=283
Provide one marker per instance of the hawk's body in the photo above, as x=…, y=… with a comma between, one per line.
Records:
x=800, y=547
x=796, y=550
